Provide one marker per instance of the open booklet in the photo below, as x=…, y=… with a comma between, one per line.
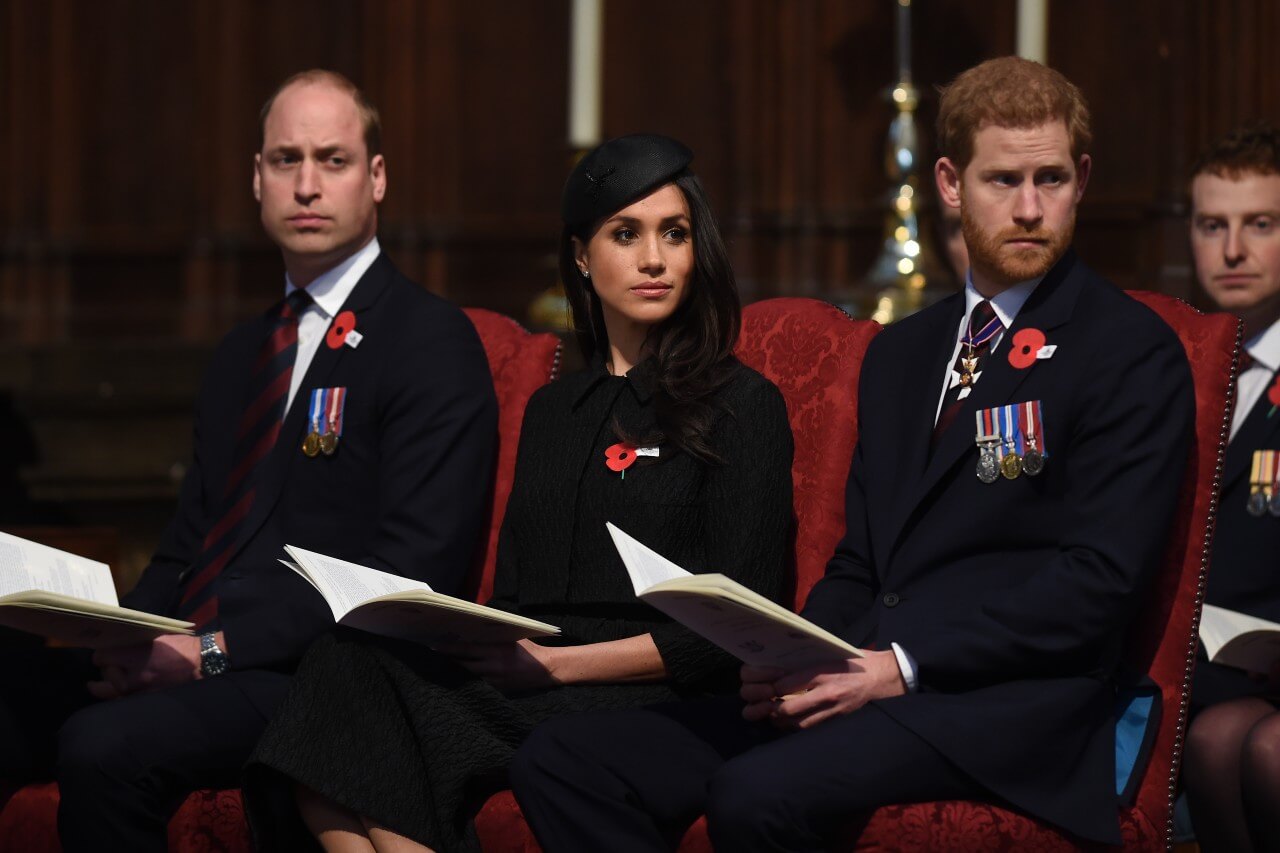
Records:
x=70, y=599
x=744, y=623
x=387, y=604
x=1239, y=640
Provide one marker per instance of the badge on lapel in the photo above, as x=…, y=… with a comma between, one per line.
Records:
x=343, y=331
x=1026, y=348
x=324, y=417
x=1264, y=483
x=1010, y=441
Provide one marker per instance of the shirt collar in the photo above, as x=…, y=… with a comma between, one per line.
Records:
x=1265, y=347
x=331, y=288
x=641, y=378
x=1007, y=303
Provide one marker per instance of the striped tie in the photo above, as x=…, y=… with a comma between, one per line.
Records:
x=259, y=428
x=984, y=325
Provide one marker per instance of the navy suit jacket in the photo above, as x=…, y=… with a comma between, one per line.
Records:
x=405, y=492
x=1244, y=574
x=1014, y=597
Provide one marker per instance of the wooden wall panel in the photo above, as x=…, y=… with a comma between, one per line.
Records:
x=126, y=219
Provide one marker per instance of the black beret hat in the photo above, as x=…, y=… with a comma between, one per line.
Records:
x=616, y=173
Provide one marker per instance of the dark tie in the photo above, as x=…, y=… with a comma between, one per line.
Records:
x=259, y=427
x=984, y=325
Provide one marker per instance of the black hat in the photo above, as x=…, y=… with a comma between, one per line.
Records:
x=616, y=173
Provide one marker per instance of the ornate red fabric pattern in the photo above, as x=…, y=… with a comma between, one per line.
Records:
x=521, y=363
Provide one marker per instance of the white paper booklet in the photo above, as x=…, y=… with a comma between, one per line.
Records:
x=70, y=599
x=1239, y=640
x=742, y=622
x=393, y=606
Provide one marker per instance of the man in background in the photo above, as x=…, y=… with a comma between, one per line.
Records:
x=1231, y=774
x=356, y=418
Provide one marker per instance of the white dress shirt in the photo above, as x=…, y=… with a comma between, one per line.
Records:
x=1251, y=383
x=328, y=293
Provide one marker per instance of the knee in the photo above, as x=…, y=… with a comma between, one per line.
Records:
x=1261, y=749
x=745, y=806
x=1215, y=735
x=90, y=749
x=550, y=752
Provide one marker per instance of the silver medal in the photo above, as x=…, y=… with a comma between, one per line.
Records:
x=1257, y=505
x=1032, y=463
x=988, y=465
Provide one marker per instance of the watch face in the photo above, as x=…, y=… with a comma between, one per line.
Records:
x=213, y=661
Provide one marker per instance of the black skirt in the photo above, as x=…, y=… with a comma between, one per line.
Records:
x=402, y=736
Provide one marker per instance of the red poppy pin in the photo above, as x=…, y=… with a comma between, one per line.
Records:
x=1026, y=343
x=343, y=325
x=620, y=457
x=1273, y=394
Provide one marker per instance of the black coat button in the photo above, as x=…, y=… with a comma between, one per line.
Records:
x=890, y=599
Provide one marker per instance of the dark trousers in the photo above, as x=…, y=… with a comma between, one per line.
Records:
x=123, y=766
x=636, y=780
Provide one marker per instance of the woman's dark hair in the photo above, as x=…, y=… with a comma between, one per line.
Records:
x=693, y=348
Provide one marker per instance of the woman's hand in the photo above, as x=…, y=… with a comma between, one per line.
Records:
x=522, y=665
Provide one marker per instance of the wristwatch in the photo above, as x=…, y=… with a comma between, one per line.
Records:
x=213, y=660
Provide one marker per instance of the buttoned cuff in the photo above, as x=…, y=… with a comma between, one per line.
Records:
x=907, y=665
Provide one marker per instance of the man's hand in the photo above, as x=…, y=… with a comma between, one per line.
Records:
x=164, y=662
x=801, y=700
x=521, y=665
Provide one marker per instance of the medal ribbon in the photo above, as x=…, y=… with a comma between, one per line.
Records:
x=1012, y=429
x=1032, y=423
x=1269, y=470
x=986, y=333
x=335, y=406
x=316, y=411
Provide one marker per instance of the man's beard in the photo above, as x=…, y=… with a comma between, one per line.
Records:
x=1006, y=265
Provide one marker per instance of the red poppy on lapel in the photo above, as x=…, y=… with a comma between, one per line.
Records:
x=1026, y=343
x=342, y=325
x=1273, y=393
x=620, y=456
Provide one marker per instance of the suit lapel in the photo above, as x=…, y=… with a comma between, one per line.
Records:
x=274, y=469
x=1255, y=433
x=1049, y=307
x=916, y=413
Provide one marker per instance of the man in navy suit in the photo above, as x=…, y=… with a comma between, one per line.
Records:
x=1021, y=447
x=356, y=418
x=1230, y=778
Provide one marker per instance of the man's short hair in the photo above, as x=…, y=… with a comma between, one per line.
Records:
x=368, y=112
x=1251, y=149
x=1009, y=92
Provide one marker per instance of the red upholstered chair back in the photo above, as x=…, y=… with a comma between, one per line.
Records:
x=1163, y=640
x=813, y=352
x=521, y=363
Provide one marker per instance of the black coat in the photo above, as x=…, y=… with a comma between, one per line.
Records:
x=405, y=492
x=1014, y=597
x=1244, y=574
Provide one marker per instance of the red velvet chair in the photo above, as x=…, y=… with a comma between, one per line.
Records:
x=210, y=821
x=813, y=352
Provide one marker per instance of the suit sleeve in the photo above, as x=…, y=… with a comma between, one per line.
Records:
x=437, y=423
x=748, y=524
x=1124, y=466
x=849, y=585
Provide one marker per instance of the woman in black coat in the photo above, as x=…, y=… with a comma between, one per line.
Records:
x=383, y=742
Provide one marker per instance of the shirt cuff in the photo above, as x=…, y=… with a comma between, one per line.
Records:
x=907, y=665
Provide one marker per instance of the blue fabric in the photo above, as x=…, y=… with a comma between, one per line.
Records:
x=1135, y=728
